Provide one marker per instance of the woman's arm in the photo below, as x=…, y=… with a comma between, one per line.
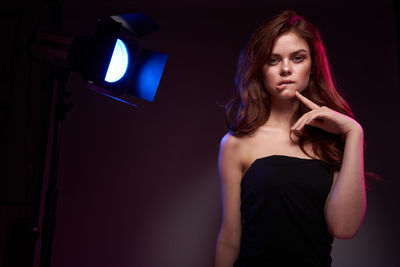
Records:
x=346, y=205
x=230, y=172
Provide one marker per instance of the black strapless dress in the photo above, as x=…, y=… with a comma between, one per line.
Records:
x=282, y=207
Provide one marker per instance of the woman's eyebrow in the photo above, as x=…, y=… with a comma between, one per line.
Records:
x=295, y=52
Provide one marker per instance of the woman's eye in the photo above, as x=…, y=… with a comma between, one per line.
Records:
x=298, y=58
x=272, y=60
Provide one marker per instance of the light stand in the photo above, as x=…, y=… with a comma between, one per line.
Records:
x=49, y=219
x=92, y=57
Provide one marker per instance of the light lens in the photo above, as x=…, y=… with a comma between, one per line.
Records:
x=118, y=63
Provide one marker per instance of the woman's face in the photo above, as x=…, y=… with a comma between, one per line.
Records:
x=288, y=68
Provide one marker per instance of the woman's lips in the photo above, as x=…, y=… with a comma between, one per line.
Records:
x=282, y=86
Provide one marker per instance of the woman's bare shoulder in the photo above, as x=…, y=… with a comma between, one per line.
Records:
x=230, y=142
x=229, y=139
x=231, y=151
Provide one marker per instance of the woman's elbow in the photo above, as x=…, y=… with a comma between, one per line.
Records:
x=344, y=232
x=344, y=227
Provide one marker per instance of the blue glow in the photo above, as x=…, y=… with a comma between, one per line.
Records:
x=119, y=99
x=118, y=63
x=148, y=77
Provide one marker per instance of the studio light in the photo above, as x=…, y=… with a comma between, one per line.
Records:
x=113, y=61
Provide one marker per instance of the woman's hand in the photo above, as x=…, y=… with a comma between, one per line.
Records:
x=324, y=118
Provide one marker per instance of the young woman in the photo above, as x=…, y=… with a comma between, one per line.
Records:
x=291, y=167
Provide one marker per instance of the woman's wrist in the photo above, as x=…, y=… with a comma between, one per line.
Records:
x=355, y=130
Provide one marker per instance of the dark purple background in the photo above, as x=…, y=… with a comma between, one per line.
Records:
x=139, y=186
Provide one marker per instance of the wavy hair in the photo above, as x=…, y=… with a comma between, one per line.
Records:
x=249, y=108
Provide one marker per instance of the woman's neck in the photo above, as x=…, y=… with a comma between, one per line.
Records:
x=282, y=112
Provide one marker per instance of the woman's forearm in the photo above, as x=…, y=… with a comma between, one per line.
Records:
x=226, y=252
x=347, y=203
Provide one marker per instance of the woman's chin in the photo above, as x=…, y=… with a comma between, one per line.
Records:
x=288, y=94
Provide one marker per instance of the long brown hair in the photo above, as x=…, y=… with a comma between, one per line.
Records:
x=249, y=108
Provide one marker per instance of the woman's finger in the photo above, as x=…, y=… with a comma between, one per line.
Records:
x=301, y=119
x=306, y=101
x=305, y=121
x=314, y=119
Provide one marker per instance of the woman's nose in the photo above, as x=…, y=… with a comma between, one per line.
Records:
x=285, y=69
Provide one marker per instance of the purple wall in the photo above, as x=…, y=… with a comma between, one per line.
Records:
x=139, y=187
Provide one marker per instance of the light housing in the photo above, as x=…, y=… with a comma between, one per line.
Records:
x=114, y=63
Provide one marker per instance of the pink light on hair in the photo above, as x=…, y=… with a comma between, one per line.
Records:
x=292, y=20
x=250, y=106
